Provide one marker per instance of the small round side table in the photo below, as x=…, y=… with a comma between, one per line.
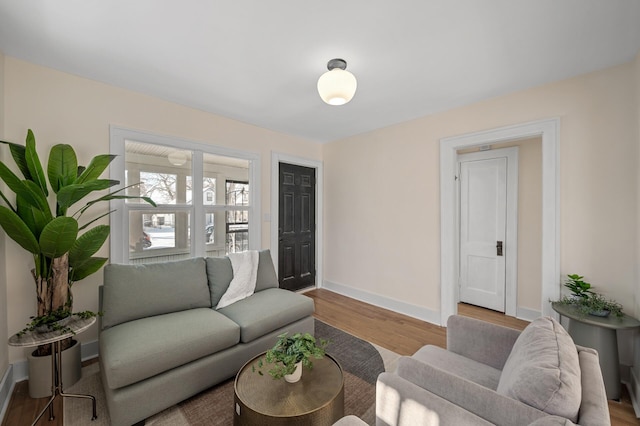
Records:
x=317, y=399
x=33, y=338
x=599, y=333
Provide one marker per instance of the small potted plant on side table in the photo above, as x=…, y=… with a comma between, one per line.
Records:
x=579, y=289
x=587, y=301
x=290, y=354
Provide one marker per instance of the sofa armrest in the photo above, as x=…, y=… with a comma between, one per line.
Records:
x=402, y=403
x=479, y=400
x=480, y=341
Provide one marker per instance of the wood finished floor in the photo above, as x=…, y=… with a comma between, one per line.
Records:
x=396, y=332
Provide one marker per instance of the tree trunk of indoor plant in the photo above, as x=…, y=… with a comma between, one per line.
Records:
x=53, y=294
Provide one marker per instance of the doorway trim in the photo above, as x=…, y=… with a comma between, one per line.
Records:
x=549, y=130
x=276, y=159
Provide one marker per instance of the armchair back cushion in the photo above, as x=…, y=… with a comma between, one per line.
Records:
x=543, y=370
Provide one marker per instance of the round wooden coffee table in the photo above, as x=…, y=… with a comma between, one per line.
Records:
x=317, y=399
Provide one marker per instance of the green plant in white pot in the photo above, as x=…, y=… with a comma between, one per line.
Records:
x=62, y=240
x=290, y=354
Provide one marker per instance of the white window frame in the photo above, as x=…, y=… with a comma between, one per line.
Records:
x=119, y=219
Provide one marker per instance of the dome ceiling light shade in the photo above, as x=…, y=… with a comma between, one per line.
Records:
x=177, y=158
x=337, y=86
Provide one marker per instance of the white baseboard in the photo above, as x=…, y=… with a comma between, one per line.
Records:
x=6, y=389
x=89, y=350
x=19, y=371
x=408, y=309
x=527, y=314
x=634, y=391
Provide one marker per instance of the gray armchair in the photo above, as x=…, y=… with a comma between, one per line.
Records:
x=495, y=375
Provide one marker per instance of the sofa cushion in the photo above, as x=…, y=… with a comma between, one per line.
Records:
x=453, y=363
x=543, y=370
x=266, y=311
x=220, y=274
x=140, y=349
x=137, y=291
x=267, y=277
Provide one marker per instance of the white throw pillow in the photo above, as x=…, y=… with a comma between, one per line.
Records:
x=243, y=284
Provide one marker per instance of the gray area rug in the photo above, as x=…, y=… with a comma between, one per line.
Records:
x=361, y=362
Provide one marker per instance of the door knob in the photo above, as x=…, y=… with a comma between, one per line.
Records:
x=499, y=248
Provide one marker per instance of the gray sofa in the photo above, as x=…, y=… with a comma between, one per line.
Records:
x=162, y=342
x=494, y=375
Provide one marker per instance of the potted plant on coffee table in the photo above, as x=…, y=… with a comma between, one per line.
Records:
x=63, y=240
x=290, y=354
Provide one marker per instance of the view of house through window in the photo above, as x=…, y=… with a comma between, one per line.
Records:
x=237, y=194
x=210, y=210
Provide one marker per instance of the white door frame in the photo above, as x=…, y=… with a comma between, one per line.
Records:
x=276, y=159
x=549, y=130
x=511, y=229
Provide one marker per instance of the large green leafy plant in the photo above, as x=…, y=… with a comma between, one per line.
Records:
x=62, y=244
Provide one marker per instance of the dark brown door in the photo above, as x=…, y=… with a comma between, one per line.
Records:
x=297, y=227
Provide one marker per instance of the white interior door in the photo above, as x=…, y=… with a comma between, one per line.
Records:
x=483, y=229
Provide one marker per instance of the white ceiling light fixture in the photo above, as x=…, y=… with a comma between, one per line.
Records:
x=337, y=86
x=177, y=158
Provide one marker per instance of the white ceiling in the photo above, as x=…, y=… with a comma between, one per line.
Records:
x=258, y=61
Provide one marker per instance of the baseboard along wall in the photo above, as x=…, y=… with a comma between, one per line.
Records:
x=527, y=314
x=634, y=391
x=408, y=309
x=6, y=389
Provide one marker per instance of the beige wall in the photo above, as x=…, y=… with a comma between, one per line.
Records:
x=4, y=353
x=381, y=200
x=382, y=205
x=60, y=107
x=637, y=116
x=635, y=381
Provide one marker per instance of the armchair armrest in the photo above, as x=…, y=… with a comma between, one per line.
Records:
x=479, y=400
x=402, y=403
x=594, y=408
x=480, y=341
x=350, y=421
